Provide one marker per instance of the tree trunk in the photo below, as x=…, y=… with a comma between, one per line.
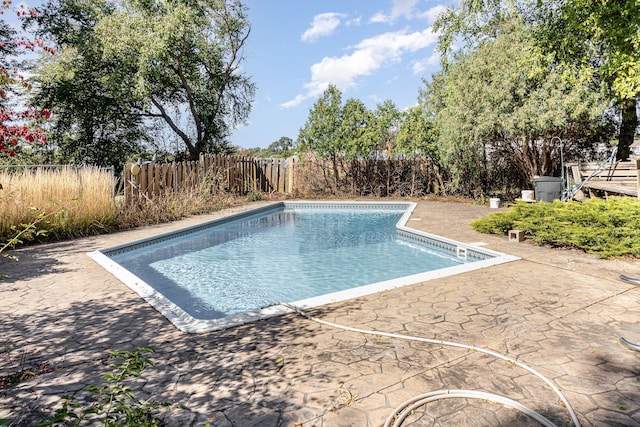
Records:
x=627, y=128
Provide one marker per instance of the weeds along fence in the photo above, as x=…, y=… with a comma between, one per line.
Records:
x=234, y=174
x=304, y=175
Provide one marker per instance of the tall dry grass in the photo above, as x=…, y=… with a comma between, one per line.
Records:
x=78, y=202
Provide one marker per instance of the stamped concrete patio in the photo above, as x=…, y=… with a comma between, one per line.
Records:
x=560, y=312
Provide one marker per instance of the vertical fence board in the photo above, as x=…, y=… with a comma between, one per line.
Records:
x=291, y=171
x=128, y=188
x=143, y=178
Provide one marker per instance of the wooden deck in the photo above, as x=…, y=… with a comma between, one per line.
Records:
x=620, y=179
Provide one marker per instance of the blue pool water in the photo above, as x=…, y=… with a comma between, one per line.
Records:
x=234, y=269
x=285, y=254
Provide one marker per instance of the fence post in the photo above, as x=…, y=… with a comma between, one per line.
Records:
x=290, y=172
x=126, y=185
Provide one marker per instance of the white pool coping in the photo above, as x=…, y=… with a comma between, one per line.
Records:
x=187, y=323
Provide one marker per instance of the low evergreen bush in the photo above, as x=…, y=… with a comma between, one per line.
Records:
x=607, y=228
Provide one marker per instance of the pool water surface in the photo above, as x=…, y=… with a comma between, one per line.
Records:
x=224, y=272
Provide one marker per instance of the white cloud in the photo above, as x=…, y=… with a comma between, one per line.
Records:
x=379, y=17
x=323, y=25
x=400, y=8
x=403, y=8
x=368, y=56
x=295, y=101
x=432, y=14
x=421, y=66
x=353, y=22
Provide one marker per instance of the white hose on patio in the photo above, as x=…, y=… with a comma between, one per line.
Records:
x=406, y=408
x=418, y=400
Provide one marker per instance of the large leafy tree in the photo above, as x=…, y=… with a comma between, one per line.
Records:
x=503, y=104
x=596, y=40
x=603, y=35
x=417, y=135
x=92, y=122
x=184, y=55
x=321, y=133
x=356, y=122
x=384, y=127
x=128, y=64
x=417, y=138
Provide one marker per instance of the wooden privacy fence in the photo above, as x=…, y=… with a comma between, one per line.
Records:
x=236, y=174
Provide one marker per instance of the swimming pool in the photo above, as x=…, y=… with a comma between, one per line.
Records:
x=223, y=272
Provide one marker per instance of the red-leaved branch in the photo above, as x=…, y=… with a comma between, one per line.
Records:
x=11, y=134
x=18, y=126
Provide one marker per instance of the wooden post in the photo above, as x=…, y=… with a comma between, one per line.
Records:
x=200, y=170
x=269, y=175
x=128, y=189
x=142, y=180
x=290, y=170
x=245, y=177
x=157, y=177
x=254, y=175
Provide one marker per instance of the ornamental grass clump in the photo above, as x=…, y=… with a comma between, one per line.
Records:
x=607, y=228
x=80, y=201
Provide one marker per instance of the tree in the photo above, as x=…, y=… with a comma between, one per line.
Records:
x=185, y=55
x=283, y=147
x=593, y=40
x=355, y=125
x=384, y=127
x=128, y=64
x=322, y=131
x=93, y=121
x=610, y=29
x=417, y=135
x=503, y=105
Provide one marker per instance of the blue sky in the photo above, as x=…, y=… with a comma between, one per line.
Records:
x=372, y=50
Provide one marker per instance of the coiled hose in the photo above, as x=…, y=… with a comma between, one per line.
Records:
x=402, y=411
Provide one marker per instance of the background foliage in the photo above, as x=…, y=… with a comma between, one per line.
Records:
x=521, y=84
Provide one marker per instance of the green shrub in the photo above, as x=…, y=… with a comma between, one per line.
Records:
x=607, y=228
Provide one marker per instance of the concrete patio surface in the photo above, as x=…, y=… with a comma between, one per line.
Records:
x=558, y=311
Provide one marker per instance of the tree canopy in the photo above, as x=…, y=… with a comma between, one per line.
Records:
x=128, y=66
x=506, y=100
x=603, y=35
x=185, y=55
x=283, y=147
x=592, y=40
